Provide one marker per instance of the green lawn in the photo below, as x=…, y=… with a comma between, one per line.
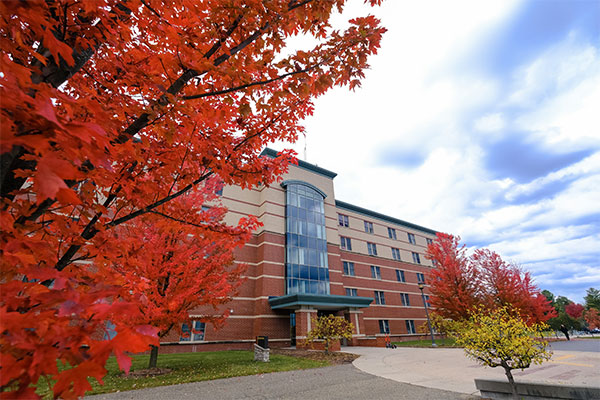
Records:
x=192, y=367
x=446, y=342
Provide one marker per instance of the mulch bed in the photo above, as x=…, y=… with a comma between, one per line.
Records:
x=334, y=357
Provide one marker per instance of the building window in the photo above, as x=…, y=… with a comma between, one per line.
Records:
x=427, y=301
x=429, y=241
x=192, y=335
x=405, y=299
x=345, y=242
x=372, y=249
x=384, y=326
x=396, y=254
x=307, y=269
x=411, y=239
x=351, y=292
x=400, y=275
x=416, y=258
x=343, y=220
x=368, y=227
x=110, y=331
x=410, y=326
x=375, y=272
x=348, y=268
x=379, y=297
x=420, y=277
x=392, y=233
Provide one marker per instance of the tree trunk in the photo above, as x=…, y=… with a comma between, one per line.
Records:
x=153, y=357
x=513, y=385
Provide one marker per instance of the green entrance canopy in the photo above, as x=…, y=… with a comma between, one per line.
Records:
x=319, y=301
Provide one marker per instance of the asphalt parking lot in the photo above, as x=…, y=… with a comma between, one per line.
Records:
x=578, y=344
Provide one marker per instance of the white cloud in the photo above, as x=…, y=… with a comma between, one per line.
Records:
x=492, y=122
x=414, y=99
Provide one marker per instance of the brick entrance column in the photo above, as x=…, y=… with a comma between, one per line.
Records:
x=355, y=316
x=304, y=318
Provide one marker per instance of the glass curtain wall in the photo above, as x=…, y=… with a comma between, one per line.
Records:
x=307, y=270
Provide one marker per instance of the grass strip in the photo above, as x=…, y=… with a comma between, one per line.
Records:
x=192, y=367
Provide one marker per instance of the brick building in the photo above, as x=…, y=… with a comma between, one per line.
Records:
x=317, y=255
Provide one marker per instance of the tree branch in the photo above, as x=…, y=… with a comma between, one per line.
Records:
x=233, y=89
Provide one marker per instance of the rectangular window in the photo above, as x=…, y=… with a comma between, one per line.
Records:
x=396, y=254
x=420, y=278
x=351, y=292
x=392, y=233
x=405, y=299
x=410, y=326
x=416, y=258
x=384, y=326
x=192, y=335
x=400, y=275
x=372, y=249
x=375, y=272
x=427, y=301
x=110, y=332
x=343, y=220
x=379, y=297
x=345, y=242
x=411, y=239
x=429, y=241
x=348, y=268
x=368, y=227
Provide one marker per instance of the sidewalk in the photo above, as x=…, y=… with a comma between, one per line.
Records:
x=450, y=369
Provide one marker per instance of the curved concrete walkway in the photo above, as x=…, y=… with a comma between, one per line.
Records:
x=450, y=369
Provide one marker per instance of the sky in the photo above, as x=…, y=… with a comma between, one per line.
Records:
x=480, y=119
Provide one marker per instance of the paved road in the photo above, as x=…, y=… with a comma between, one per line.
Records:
x=341, y=382
x=592, y=345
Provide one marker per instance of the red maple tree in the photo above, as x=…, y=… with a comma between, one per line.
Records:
x=460, y=283
x=592, y=318
x=454, y=284
x=112, y=109
x=176, y=268
x=574, y=310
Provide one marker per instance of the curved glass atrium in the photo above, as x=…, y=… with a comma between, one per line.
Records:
x=307, y=270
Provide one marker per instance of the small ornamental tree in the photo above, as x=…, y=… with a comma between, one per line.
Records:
x=502, y=339
x=329, y=328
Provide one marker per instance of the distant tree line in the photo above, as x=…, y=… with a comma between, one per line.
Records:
x=575, y=316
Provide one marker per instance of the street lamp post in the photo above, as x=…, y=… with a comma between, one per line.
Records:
x=421, y=287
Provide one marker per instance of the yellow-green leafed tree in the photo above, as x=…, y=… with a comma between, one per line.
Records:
x=329, y=328
x=502, y=339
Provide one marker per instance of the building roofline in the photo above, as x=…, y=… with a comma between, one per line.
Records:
x=302, y=164
x=310, y=185
x=387, y=218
